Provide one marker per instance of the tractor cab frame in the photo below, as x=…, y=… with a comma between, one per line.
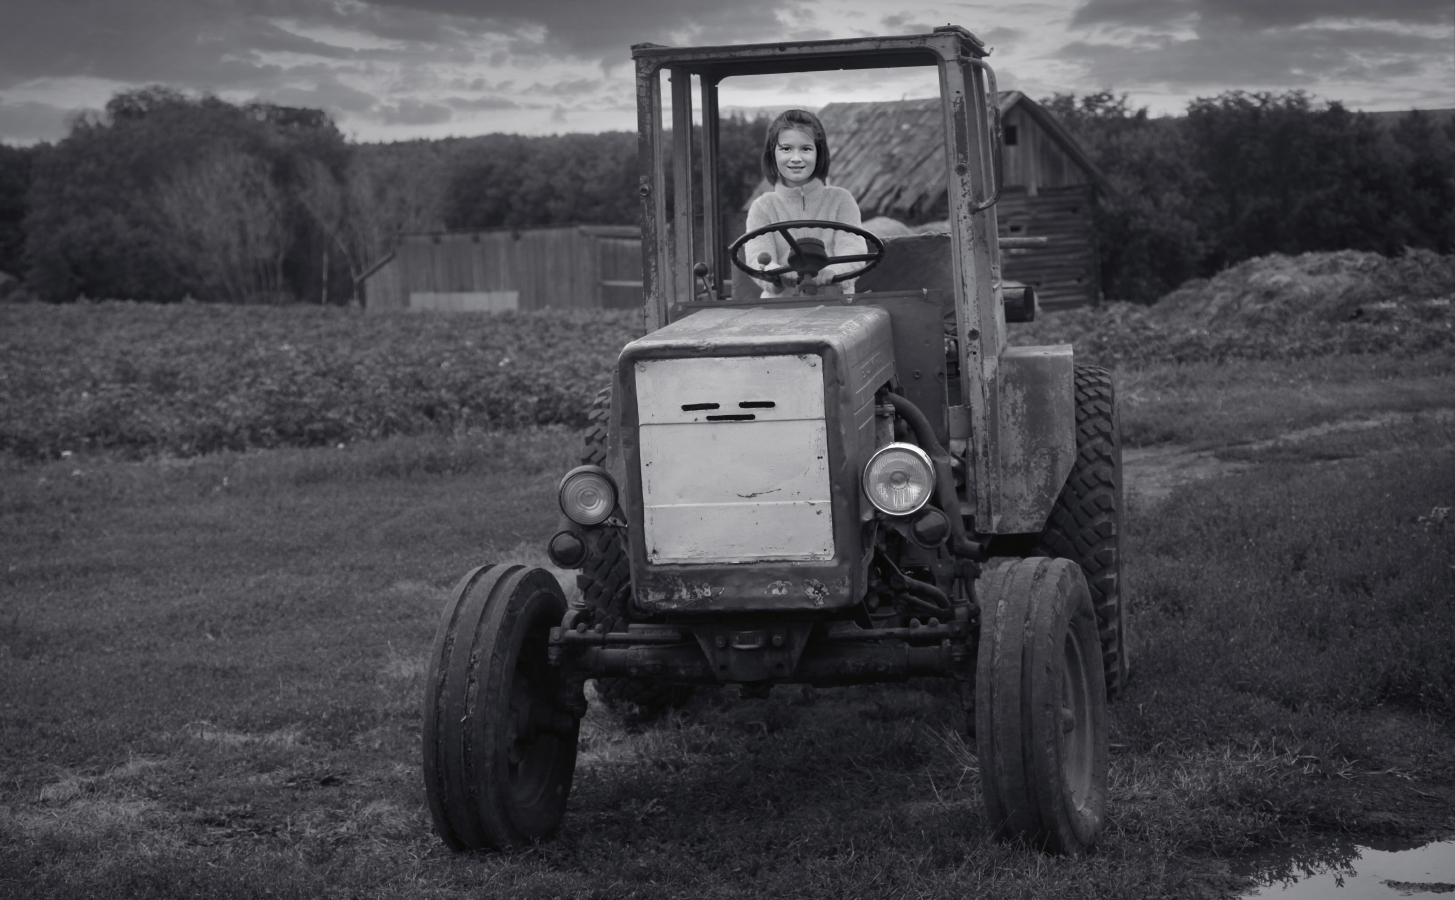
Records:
x=672, y=247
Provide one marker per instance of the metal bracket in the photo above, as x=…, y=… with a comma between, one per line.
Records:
x=746, y=654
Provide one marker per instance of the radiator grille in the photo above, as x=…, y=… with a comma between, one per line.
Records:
x=734, y=459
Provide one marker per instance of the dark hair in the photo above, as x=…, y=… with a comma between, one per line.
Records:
x=808, y=123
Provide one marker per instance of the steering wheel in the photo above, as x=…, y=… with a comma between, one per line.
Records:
x=807, y=256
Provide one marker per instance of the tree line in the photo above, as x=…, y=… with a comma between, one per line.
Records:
x=1247, y=174
x=164, y=196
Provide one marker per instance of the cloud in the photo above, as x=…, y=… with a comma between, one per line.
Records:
x=1259, y=13
x=605, y=29
x=435, y=65
x=995, y=37
x=575, y=87
x=906, y=23
x=487, y=103
x=325, y=93
x=415, y=112
x=1223, y=44
x=136, y=42
x=29, y=121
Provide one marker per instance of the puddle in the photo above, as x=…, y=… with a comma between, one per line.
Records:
x=1347, y=871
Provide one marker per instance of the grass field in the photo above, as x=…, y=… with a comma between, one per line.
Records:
x=213, y=668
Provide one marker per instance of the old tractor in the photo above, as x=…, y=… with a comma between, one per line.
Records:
x=815, y=488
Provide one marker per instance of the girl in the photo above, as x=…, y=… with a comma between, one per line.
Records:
x=796, y=162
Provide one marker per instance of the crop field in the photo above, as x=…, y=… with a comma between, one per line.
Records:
x=144, y=380
x=213, y=662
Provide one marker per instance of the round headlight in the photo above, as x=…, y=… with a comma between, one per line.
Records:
x=899, y=479
x=588, y=495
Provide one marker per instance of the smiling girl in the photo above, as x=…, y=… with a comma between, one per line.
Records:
x=796, y=162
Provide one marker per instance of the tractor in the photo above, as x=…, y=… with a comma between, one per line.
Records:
x=811, y=488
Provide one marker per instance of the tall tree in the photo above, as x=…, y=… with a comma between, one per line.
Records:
x=227, y=227
x=393, y=188
x=15, y=177
x=96, y=224
x=1149, y=238
x=1247, y=174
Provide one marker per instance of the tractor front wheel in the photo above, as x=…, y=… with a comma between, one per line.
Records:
x=499, y=752
x=1040, y=706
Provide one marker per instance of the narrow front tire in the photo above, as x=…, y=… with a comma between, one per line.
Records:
x=499, y=752
x=1040, y=710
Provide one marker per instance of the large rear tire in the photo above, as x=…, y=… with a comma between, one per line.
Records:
x=605, y=573
x=1040, y=706
x=1086, y=523
x=499, y=753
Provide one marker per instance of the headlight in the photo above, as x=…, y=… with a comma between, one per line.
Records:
x=588, y=495
x=899, y=479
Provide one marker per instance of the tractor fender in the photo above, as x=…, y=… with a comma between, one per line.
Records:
x=1037, y=434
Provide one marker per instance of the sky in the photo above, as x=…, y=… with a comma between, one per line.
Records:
x=402, y=69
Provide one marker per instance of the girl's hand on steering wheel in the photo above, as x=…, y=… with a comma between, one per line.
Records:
x=789, y=279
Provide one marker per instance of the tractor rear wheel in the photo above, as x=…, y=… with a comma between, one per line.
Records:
x=499, y=750
x=1040, y=706
x=1086, y=523
x=606, y=573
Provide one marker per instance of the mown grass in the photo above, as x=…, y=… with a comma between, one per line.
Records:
x=213, y=670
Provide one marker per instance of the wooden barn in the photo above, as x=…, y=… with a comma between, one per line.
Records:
x=494, y=270
x=891, y=157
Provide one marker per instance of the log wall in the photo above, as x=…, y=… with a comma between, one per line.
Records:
x=1064, y=272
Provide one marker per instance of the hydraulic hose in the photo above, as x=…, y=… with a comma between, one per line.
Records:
x=960, y=543
x=924, y=593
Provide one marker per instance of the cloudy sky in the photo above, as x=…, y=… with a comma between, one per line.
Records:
x=396, y=69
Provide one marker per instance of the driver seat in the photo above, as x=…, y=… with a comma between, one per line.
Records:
x=911, y=263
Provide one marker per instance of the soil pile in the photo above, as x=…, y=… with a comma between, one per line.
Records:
x=1316, y=304
x=1328, y=287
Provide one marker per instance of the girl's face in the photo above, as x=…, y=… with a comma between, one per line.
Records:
x=797, y=157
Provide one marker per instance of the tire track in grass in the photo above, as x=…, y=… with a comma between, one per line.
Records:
x=1152, y=473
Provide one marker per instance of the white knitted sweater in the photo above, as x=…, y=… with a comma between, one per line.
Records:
x=814, y=200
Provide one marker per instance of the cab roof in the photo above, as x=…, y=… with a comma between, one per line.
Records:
x=947, y=42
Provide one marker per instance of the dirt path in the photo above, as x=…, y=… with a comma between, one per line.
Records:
x=1153, y=472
